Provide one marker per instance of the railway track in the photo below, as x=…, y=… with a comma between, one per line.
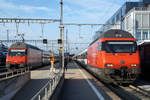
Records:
x=142, y=93
x=143, y=88
x=131, y=92
x=145, y=85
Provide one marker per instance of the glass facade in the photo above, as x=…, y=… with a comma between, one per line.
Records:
x=140, y=20
x=124, y=10
x=146, y=1
x=145, y=35
x=142, y=34
x=138, y=35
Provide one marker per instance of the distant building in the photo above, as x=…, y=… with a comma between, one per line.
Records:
x=133, y=17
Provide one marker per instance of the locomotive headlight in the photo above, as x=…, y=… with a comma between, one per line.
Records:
x=134, y=65
x=109, y=65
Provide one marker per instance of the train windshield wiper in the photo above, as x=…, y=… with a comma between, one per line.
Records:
x=130, y=52
x=111, y=50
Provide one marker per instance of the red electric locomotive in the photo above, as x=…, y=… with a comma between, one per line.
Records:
x=22, y=55
x=114, y=57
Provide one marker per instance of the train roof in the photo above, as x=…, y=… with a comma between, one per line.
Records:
x=84, y=51
x=144, y=43
x=23, y=45
x=114, y=33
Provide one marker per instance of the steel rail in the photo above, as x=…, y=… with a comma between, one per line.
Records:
x=140, y=90
x=136, y=92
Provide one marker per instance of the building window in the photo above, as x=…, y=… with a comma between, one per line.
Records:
x=145, y=22
x=138, y=34
x=138, y=20
x=145, y=35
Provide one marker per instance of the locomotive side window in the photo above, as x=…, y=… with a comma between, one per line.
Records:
x=99, y=46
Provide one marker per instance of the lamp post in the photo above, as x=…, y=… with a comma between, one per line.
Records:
x=61, y=35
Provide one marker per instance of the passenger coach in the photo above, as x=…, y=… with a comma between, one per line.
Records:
x=144, y=49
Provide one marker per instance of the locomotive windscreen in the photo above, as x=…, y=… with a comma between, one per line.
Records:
x=16, y=52
x=120, y=47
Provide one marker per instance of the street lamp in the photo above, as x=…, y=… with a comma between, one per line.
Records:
x=61, y=35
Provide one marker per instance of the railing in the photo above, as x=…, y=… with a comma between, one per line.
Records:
x=10, y=74
x=46, y=92
x=3, y=69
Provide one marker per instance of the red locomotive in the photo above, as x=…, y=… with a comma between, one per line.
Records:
x=22, y=55
x=114, y=57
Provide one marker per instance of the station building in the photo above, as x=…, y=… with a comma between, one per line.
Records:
x=133, y=17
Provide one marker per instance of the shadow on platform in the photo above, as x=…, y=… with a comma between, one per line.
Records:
x=30, y=89
x=77, y=89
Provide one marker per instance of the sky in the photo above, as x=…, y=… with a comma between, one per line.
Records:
x=75, y=11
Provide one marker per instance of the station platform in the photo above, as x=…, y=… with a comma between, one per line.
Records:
x=78, y=85
x=39, y=77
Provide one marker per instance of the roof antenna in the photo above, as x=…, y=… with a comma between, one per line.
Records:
x=91, y=29
x=80, y=32
x=28, y=24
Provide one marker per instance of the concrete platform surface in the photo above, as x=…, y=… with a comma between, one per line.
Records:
x=39, y=78
x=78, y=86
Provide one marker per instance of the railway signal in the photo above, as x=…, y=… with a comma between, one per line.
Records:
x=44, y=41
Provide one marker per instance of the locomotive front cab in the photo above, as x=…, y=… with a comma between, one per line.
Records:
x=121, y=59
x=16, y=57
